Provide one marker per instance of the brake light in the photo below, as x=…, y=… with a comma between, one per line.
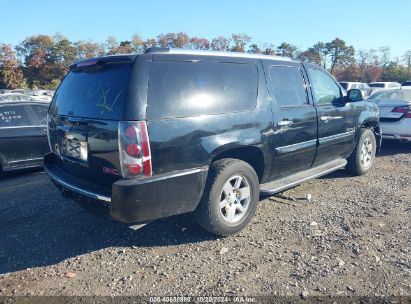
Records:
x=405, y=110
x=400, y=110
x=134, y=148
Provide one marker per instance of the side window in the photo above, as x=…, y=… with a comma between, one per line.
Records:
x=287, y=84
x=38, y=114
x=325, y=90
x=184, y=89
x=13, y=116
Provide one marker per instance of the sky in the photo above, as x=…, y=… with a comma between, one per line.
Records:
x=365, y=24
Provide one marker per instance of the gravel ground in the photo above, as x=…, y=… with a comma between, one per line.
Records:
x=353, y=238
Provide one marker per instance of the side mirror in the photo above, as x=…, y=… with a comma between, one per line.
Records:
x=354, y=95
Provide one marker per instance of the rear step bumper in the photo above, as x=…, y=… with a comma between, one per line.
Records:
x=135, y=200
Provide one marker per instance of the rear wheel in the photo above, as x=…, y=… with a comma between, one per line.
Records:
x=362, y=158
x=230, y=197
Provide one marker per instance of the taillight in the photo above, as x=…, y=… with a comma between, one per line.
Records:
x=405, y=110
x=400, y=110
x=134, y=148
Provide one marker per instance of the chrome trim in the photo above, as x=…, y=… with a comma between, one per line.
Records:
x=155, y=178
x=76, y=189
x=327, y=139
x=296, y=147
x=18, y=127
x=222, y=54
x=303, y=180
x=24, y=160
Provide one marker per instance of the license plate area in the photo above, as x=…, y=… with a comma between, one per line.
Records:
x=74, y=149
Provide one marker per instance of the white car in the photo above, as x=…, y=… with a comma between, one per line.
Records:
x=378, y=86
x=363, y=87
x=395, y=113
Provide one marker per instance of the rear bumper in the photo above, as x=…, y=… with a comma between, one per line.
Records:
x=400, y=130
x=135, y=200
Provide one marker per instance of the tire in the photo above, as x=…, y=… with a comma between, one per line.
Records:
x=362, y=158
x=225, y=210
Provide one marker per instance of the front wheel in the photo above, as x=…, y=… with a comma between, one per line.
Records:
x=230, y=197
x=362, y=158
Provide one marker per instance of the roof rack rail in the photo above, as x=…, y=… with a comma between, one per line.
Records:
x=153, y=50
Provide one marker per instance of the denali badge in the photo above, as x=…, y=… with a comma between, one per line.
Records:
x=111, y=171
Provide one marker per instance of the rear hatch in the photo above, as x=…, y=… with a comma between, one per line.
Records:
x=84, y=119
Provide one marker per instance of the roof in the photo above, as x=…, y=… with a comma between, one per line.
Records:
x=174, y=51
x=177, y=51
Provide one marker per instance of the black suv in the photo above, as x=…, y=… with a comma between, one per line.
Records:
x=176, y=131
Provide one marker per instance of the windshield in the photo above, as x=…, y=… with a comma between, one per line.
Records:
x=407, y=83
x=94, y=92
x=376, y=85
x=395, y=95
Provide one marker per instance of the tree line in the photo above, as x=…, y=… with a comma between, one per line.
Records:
x=41, y=61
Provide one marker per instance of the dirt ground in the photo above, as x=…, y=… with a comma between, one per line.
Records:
x=353, y=238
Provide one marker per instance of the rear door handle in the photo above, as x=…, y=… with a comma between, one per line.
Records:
x=285, y=123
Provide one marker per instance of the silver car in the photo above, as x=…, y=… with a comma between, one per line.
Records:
x=395, y=113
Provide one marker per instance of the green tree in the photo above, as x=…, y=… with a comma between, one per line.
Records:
x=239, y=41
x=340, y=53
x=287, y=50
x=311, y=55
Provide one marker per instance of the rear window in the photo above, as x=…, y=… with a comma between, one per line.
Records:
x=13, y=116
x=376, y=85
x=94, y=92
x=184, y=89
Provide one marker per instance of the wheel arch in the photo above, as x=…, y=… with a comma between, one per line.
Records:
x=374, y=125
x=252, y=155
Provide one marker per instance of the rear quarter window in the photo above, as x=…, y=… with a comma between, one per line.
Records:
x=94, y=92
x=184, y=89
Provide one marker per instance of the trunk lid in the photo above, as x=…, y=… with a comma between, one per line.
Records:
x=387, y=107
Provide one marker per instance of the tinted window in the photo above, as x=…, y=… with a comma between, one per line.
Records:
x=407, y=83
x=13, y=116
x=325, y=89
x=39, y=115
x=344, y=85
x=376, y=85
x=287, y=84
x=182, y=89
x=94, y=92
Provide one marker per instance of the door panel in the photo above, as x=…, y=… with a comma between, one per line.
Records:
x=336, y=119
x=294, y=120
x=16, y=133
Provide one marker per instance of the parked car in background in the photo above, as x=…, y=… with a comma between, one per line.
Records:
x=406, y=84
x=395, y=113
x=379, y=86
x=363, y=87
x=174, y=131
x=23, y=134
x=16, y=97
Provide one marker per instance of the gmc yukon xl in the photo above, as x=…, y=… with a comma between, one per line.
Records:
x=175, y=131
